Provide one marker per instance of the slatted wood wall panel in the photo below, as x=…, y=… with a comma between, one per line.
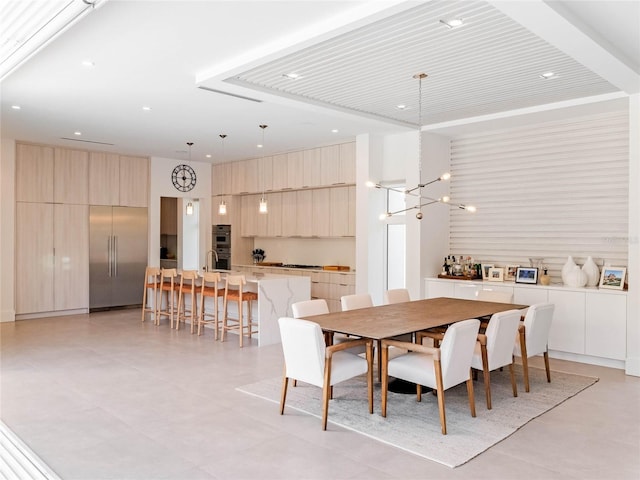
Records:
x=549, y=190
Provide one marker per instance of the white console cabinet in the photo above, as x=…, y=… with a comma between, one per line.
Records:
x=589, y=324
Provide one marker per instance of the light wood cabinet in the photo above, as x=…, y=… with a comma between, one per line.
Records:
x=351, y=225
x=266, y=174
x=295, y=170
x=304, y=213
x=321, y=213
x=244, y=176
x=248, y=219
x=347, y=163
x=168, y=216
x=280, y=172
x=289, y=209
x=274, y=217
x=339, y=212
x=52, y=257
x=104, y=178
x=330, y=165
x=221, y=179
x=71, y=176
x=134, y=181
x=311, y=167
x=34, y=173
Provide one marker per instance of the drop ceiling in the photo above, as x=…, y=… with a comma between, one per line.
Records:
x=211, y=67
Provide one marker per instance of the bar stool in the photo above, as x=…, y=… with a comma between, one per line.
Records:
x=238, y=295
x=167, y=285
x=209, y=288
x=151, y=281
x=185, y=288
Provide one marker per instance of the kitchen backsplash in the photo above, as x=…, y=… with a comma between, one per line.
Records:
x=308, y=251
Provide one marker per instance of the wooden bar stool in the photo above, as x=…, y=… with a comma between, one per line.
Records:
x=167, y=285
x=234, y=292
x=187, y=286
x=151, y=281
x=209, y=288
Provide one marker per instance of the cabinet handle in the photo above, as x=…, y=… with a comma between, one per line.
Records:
x=115, y=256
x=109, y=255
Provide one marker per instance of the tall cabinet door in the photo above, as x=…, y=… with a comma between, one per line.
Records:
x=104, y=178
x=34, y=258
x=71, y=240
x=34, y=173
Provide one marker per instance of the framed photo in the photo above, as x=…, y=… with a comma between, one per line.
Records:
x=496, y=274
x=485, y=270
x=510, y=272
x=526, y=275
x=612, y=277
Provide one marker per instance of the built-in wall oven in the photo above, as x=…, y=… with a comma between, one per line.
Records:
x=221, y=243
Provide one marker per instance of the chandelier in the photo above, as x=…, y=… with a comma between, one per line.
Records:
x=417, y=190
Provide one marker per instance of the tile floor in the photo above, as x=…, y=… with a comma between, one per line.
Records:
x=104, y=396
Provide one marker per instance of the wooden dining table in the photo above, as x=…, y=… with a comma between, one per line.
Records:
x=387, y=321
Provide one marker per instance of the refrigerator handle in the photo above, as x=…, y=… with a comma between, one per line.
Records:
x=109, y=255
x=115, y=256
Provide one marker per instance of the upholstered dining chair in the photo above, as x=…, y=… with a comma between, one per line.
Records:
x=494, y=348
x=396, y=295
x=357, y=300
x=439, y=368
x=308, y=359
x=534, y=337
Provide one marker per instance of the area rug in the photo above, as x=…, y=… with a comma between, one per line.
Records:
x=415, y=427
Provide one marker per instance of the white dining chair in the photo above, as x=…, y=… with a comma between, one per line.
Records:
x=438, y=368
x=494, y=349
x=308, y=359
x=534, y=338
x=396, y=295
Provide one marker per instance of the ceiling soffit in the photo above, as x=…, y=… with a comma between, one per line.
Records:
x=489, y=65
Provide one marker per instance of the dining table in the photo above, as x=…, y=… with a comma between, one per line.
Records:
x=388, y=321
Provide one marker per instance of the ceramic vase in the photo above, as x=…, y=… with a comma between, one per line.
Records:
x=592, y=271
x=576, y=277
x=545, y=279
x=567, y=268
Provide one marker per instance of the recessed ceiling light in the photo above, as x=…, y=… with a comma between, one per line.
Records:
x=146, y=108
x=548, y=75
x=88, y=64
x=335, y=130
x=259, y=145
x=77, y=133
x=208, y=155
x=16, y=107
x=292, y=76
x=402, y=106
x=453, y=22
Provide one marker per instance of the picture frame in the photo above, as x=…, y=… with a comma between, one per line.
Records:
x=613, y=277
x=485, y=270
x=510, y=272
x=527, y=275
x=496, y=274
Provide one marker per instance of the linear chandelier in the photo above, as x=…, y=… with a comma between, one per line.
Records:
x=417, y=190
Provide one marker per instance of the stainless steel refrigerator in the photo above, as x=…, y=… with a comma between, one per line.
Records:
x=117, y=256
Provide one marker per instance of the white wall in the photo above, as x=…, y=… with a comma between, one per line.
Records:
x=161, y=185
x=633, y=298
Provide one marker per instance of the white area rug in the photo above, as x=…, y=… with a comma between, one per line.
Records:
x=415, y=427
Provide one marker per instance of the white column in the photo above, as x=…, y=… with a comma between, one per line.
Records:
x=633, y=272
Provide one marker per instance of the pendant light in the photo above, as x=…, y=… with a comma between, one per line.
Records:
x=190, y=205
x=263, y=203
x=222, y=208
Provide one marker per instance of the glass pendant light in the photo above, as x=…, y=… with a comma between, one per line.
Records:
x=263, y=203
x=222, y=208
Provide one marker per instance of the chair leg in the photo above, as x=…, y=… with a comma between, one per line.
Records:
x=440, y=388
x=240, y=322
x=385, y=379
x=525, y=360
x=144, y=300
x=513, y=380
x=283, y=393
x=546, y=365
x=486, y=375
x=470, y=394
x=418, y=392
x=326, y=392
x=224, y=319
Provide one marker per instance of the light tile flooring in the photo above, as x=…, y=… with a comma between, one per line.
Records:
x=104, y=396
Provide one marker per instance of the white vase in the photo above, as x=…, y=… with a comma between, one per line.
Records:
x=592, y=271
x=567, y=268
x=576, y=277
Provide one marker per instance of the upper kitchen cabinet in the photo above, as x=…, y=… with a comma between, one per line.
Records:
x=104, y=178
x=71, y=176
x=295, y=170
x=221, y=179
x=34, y=173
x=244, y=176
x=280, y=172
x=311, y=164
x=134, y=181
x=265, y=174
x=338, y=164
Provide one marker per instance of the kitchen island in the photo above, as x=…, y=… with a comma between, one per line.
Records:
x=276, y=294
